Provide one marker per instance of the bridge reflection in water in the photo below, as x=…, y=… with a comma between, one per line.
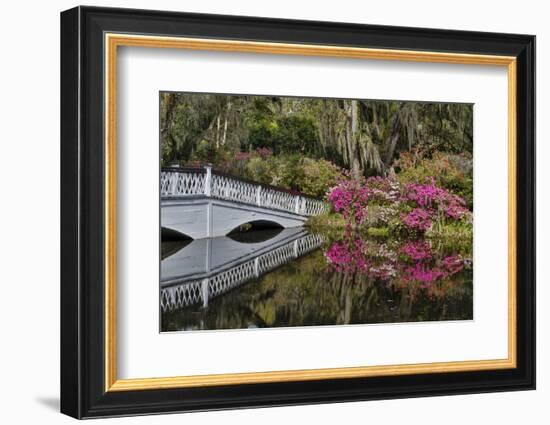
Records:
x=284, y=278
x=207, y=268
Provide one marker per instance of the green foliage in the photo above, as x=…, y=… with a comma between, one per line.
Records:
x=205, y=153
x=450, y=171
x=317, y=176
x=380, y=232
x=292, y=133
x=306, y=175
x=260, y=170
x=455, y=236
x=309, y=176
x=447, y=127
x=288, y=171
x=329, y=220
x=362, y=135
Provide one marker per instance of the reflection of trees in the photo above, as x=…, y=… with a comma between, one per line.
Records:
x=309, y=292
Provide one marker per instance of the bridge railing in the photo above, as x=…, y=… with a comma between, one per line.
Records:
x=182, y=182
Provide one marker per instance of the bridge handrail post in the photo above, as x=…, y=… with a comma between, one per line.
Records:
x=204, y=291
x=257, y=267
x=259, y=195
x=208, y=180
x=173, y=183
x=297, y=204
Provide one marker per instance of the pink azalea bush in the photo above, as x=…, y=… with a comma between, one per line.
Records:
x=418, y=219
x=350, y=198
x=432, y=198
x=418, y=205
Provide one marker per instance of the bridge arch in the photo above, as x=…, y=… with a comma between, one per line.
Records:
x=206, y=217
x=227, y=220
x=170, y=234
x=257, y=225
x=260, y=231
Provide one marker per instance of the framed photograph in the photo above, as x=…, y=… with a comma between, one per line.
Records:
x=261, y=212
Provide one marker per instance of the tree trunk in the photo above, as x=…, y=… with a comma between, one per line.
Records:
x=218, y=132
x=392, y=141
x=351, y=110
x=356, y=165
x=170, y=107
x=227, y=111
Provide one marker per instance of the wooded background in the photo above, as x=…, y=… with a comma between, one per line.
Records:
x=363, y=136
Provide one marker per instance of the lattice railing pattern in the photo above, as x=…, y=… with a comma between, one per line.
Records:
x=229, y=279
x=176, y=183
x=224, y=187
x=199, y=291
x=182, y=295
x=275, y=258
x=308, y=244
x=187, y=183
x=313, y=207
x=274, y=199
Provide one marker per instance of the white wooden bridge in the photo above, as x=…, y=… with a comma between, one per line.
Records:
x=202, y=203
x=207, y=268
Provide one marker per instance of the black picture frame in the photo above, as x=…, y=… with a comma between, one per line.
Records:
x=83, y=392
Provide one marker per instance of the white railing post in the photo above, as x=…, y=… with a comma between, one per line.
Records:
x=208, y=180
x=297, y=205
x=173, y=183
x=204, y=290
x=257, y=267
x=259, y=195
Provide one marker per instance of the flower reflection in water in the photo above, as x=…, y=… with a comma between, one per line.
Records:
x=413, y=263
x=356, y=279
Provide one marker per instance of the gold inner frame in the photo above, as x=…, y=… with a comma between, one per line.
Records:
x=113, y=41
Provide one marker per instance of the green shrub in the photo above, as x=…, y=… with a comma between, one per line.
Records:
x=260, y=170
x=294, y=133
x=327, y=220
x=378, y=231
x=317, y=177
x=455, y=236
x=450, y=171
x=313, y=177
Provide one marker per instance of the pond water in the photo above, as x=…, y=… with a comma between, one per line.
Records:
x=293, y=277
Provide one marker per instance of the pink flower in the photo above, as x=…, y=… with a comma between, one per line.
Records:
x=347, y=256
x=264, y=152
x=350, y=198
x=417, y=250
x=242, y=156
x=453, y=263
x=423, y=274
x=455, y=210
x=379, y=261
x=418, y=219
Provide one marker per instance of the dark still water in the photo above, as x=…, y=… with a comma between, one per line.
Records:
x=290, y=277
